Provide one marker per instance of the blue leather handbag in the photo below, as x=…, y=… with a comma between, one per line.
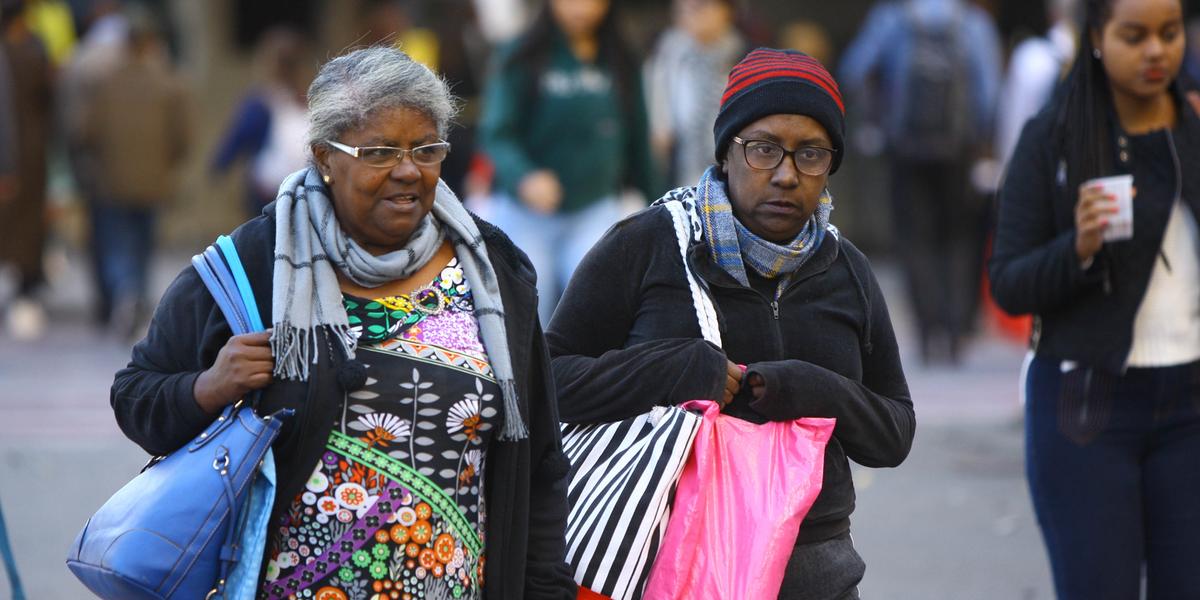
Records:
x=181, y=527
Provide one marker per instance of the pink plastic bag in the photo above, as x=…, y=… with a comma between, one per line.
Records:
x=738, y=507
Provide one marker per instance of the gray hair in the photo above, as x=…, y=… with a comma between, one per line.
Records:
x=352, y=88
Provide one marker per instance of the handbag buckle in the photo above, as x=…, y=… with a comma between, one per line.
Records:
x=221, y=462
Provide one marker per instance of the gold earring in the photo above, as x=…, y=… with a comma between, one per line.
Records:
x=327, y=179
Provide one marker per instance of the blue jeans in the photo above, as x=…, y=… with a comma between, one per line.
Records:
x=122, y=242
x=555, y=243
x=1114, y=470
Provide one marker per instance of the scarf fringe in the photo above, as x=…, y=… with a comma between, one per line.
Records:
x=291, y=347
x=514, y=424
x=295, y=349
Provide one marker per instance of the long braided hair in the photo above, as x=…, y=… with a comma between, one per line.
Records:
x=1083, y=125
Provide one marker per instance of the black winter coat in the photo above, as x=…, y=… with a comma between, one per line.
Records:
x=625, y=338
x=1087, y=315
x=526, y=480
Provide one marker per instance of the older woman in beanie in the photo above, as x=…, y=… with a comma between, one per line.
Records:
x=804, y=326
x=423, y=458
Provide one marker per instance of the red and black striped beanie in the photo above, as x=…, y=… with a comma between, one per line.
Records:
x=770, y=82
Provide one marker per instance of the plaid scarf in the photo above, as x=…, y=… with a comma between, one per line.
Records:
x=310, y=244
x=732, y=246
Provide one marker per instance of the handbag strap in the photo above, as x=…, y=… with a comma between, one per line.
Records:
x=227, y=282
x=10, y=562
x=687, y=229
x=243, y=283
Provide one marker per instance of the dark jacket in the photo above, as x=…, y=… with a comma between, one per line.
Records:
x=526, y=480
x=1086, y=316
x=625, y=338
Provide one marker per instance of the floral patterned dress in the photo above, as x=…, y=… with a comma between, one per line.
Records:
x=395, y=507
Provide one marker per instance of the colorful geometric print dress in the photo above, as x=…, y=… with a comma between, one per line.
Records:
x=395, y=507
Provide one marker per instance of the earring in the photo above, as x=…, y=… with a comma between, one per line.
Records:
x=327, y=179
x=1096, y=53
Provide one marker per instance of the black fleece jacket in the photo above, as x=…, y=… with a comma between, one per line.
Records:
x=526, y=480
x=1087, y=315
x=625, y=338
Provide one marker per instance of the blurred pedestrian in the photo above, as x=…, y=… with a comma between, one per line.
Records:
x=368, y=264
x=133, y=133
x=564, y=121
x=101, y=47
x=684, y=77
x=797, y=305
x=23, y=212
x=269, y=125
x=397, y=23
x=808, y=37
x=1112, y=425
x=938, y=65
x=51, y=20
x=1036, y=67
x=462, y=60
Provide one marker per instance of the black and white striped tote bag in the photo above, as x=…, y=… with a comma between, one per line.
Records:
x=623, y=474
x=622, y=482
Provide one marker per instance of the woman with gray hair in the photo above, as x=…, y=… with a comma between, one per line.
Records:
x=405, y=336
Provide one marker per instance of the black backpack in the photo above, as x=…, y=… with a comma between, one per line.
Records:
x=935, y=117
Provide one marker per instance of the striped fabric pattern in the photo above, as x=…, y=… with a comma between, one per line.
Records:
x=769, y=65
x=622, y=482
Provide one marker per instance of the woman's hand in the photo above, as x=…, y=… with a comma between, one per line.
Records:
x=758, y=387
x=733, y=382
x=1091, y=219
x=541, y=191
x=243, y=365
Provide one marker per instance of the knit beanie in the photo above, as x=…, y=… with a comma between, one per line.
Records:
x=770, y=82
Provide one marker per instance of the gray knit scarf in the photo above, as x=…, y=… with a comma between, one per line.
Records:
x=311, y=248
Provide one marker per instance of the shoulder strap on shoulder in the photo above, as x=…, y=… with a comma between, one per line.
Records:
x=686, y=223
x=227, y=282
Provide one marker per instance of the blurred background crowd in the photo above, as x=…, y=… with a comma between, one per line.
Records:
x=128, y=128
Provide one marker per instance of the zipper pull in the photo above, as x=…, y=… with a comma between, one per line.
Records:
x=775, y=309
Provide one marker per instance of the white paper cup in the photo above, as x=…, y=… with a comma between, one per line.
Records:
x=1120, y=187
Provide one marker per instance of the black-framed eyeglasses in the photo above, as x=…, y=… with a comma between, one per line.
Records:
x=765, y=156
x=427, y=155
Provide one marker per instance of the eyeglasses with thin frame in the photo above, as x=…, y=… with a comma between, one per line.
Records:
x=427, y=155
x=766, y=156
